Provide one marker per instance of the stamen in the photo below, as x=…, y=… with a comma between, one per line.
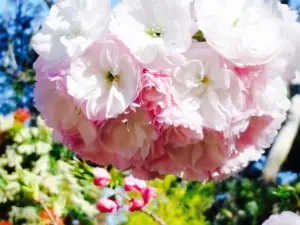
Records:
x=155, y=31
x=205, y=80
x=110, y=78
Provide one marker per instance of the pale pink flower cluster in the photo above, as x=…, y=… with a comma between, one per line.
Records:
x=132, y=87
x=131, y=184
x=285, y=218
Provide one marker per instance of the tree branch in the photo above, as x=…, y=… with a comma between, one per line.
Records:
x=53, y=220
x=154, y=216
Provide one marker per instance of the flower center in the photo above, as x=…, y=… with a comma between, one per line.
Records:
x=78, y=110
x=75, y=32
x=205, y=80
x=202, y=85
x=155, y=31
x=110, y=78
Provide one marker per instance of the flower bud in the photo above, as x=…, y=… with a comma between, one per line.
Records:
x=148, y=194
x=136, y=204
x=101, y=177
x=107, y=205
x=133, y=184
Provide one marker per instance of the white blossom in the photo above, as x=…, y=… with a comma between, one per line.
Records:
x=153, y=28
x=245, y=32
x=71, y=26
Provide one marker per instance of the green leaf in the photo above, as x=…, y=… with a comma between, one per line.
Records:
x=252, y=208
x=28, y=192
x=284, y=191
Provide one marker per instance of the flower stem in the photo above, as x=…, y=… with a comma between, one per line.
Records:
x=53, y=220
x=154, y=216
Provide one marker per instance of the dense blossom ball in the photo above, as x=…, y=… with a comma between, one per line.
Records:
x=141, y=93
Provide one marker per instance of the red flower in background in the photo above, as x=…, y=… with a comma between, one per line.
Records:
x=46, y=217
x=22, y=115
x=6, y=222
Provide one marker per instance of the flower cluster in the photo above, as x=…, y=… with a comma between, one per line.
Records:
x=285, y=218
x=193, y=88
x=131, y=184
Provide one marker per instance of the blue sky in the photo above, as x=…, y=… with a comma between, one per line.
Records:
x=2, y=3
x=113, y=2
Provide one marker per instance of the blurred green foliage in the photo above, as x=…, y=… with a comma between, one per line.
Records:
x=250, y=202
x=38, y=175
x=177, y=203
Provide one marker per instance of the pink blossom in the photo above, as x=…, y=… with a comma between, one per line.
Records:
x=101, y=177
x=211, y=156
x=69, y=123
x=179, y=136
x=249, y=74
x=253, y=132
x=249, y=145
x=133, y=184
x=144, y=173
x=195, y=160
x=148, y=194
x=128, y=135
x=285, y=218
x=171, y=143
x=201, y=158
x=136, y=204
x=105, y=80
x=155, y=94
x=95, y=152
x=174, y=116
x=200, y=93
x=204, y=117
x=107, y=205
x=71, y=140
x=69, y=120
x=156, y=165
